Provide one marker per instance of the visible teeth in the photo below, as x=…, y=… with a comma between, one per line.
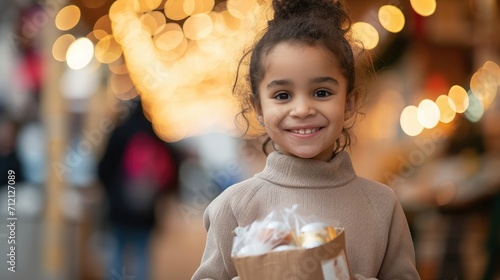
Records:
x=305, y=131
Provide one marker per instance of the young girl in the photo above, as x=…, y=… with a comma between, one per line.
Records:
x=302, y=78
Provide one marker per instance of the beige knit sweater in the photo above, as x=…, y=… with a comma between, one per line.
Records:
x=378, y=240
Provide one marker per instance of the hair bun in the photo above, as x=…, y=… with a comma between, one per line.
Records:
x=330, y=11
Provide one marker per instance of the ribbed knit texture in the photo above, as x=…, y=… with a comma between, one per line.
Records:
x=378, y=240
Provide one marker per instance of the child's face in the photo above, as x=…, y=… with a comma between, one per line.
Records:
x=303, y=100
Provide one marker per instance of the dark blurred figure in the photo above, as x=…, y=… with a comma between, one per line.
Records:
x=466, y=147
x=27, y=40
x=491, y=132
x=454, y=197
x=9, y=159
x=137, y=169
x=472, y=160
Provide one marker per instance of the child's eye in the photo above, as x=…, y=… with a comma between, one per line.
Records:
x=282, y=96
x=322, y=93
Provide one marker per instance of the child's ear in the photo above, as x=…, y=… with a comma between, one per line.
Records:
x=349, y=106
x=258, y=111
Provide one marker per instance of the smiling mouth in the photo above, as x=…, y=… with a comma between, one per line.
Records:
x=305, y=131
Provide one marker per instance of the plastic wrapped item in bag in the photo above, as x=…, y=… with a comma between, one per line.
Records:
x=316, y=234
x=286, y=244
x=283, y=228
x=262, y=236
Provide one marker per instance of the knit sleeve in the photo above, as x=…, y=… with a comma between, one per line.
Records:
x=399, y=259
x=216, y=263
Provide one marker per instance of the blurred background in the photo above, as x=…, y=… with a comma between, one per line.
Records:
x=117, y=130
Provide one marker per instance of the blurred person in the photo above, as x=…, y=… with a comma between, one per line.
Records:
x=469, y=173
x=29, y=72
x=459, y=199
x=9, y=158
x=491, y=178
x=32, y=150
x=476, y=200
x=458, y=187
x=136, y=170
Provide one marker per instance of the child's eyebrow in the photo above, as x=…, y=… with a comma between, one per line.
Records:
x=324, y=79
x=317, y=80
x=279, y=83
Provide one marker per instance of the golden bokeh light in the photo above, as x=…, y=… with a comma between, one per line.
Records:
x=61, y=45
x=203, y=6
x=169, y=37
x=391, y=18
x=108, y=50
x=189, y=6
x=149, y=5
x=460, y=98
x=213, y=55
x=171, y=115
x=494, y=69
x=226, y=24
x=211, y=45
x=424, y=8
x=80, y=53
x=183, y=74
x=366, y=34
x=159, y=18
x=122, y=86
x=409, y=121
x=68, y=17
x=140, y=57
x=240, y=8
x=118, y=66
x=198, y=26
x=428, y=113
x=121, y=7
x=167, y=120
x=130, y=29
x=484, y=86
x=96, y=35
x=174, y=10
x=103, y=26
x=149, y=23
x=175, y=53
x=447, y=108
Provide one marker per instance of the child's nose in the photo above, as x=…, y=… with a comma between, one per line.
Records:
x=302, y=109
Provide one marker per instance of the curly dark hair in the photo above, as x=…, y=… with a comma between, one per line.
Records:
x=322, y=23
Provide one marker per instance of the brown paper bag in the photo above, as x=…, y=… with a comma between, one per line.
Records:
x=326, y=262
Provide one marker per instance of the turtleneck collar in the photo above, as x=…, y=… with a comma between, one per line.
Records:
x=306, y=173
